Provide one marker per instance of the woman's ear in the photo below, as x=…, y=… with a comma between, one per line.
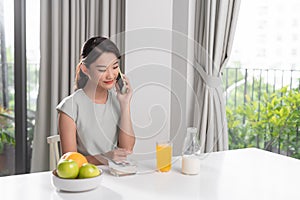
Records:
x=84, y=69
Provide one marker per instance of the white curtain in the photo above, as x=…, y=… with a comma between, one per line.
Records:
x=215, y=23
x=65, y=25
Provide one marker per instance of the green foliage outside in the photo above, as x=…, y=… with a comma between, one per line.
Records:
x=7, y=123
x=7, y=129
x=267, y=119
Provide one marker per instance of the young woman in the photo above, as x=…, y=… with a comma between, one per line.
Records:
x=95, y=120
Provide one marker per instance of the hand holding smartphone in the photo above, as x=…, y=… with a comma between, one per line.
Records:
x=121, y=83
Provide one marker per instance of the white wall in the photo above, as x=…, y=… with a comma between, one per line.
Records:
x=148, y=66
x=179, y=74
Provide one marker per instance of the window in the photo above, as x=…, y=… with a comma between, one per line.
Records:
x=266, y=48
x=9, y=152
x=7, y=131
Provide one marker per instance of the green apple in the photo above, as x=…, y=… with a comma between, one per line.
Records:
x=88, y=170
x=67, y=169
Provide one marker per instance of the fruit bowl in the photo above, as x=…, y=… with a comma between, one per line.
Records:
x=76, y=185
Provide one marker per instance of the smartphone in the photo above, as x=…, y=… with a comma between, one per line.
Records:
x=121, y=83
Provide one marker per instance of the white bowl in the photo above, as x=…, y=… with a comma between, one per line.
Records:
x=76, y=185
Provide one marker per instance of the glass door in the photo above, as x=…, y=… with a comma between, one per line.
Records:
x=7, y=122
x=16, y=145
x=32, y=68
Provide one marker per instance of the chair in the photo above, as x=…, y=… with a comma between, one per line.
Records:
x=54, y=153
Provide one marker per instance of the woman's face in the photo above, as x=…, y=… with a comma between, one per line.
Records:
x=104, y=70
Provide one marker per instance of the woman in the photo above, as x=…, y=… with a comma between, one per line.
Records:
x=94, y=120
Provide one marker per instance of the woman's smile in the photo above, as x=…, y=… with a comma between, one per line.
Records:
x=109, y=82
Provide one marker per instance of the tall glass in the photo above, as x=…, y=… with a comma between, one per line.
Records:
x=164, y=156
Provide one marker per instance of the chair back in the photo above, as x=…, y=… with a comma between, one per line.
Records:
x=54, y=152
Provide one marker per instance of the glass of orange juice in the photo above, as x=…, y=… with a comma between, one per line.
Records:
x=163, y=156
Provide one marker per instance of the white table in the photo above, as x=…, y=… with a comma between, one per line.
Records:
x=237, y=174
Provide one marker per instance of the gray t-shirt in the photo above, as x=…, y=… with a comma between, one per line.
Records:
x=96, y=124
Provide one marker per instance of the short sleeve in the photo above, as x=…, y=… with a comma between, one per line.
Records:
x=69, y=107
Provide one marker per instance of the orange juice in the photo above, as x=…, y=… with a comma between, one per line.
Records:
x=164, y=156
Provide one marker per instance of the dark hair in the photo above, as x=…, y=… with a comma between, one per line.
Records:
x=92, y=49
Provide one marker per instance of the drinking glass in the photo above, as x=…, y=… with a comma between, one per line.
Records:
x=163, y=156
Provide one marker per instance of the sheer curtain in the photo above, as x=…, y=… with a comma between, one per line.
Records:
x=65, y=25
x=215, y=23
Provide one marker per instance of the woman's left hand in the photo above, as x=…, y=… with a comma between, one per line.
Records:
x=125, y=98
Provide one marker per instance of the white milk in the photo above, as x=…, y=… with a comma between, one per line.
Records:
x=190, y=165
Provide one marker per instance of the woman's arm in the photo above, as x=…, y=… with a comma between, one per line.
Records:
x=67, y=132
x=126, y=138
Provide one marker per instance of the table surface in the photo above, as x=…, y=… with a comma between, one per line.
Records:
x=236, y=174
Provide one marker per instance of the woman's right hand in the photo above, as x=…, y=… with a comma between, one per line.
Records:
x=124, y=99
x=117, y=155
